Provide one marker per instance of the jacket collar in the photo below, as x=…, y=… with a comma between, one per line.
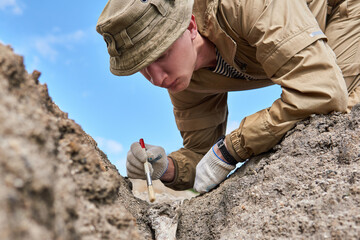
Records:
x=205, y=12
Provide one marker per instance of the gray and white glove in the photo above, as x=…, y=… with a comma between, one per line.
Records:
x=136, y=158
x=211, y=171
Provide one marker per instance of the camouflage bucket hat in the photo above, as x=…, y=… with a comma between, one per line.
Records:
x=137, y=32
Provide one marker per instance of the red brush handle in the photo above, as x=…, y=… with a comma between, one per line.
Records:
x=142, y=144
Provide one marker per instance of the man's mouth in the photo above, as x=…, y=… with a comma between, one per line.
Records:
x=172, y=85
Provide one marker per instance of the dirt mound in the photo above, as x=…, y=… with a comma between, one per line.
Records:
x=54, y=181
x=306, y=188
x=56, y=184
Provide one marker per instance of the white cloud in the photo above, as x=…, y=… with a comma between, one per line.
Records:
x=109, y=146
x=48, y=45
x=45, y=48
x=232, y=125
x=15, y=6
x=114, y=152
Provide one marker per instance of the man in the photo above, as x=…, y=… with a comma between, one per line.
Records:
x=200, y=51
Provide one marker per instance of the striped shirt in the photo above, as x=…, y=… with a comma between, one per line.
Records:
x=227, y=70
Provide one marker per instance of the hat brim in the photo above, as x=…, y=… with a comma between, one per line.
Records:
x=151, y=47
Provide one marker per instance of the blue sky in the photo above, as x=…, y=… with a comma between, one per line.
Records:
x=59, y=39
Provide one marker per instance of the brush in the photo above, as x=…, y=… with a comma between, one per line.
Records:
x=147, y=173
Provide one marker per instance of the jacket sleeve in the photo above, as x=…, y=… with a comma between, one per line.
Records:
x=311, y=83
x=201, y=119
x=291, y=48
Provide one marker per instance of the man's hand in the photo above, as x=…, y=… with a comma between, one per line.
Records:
x=211, y=171
x=136, y=158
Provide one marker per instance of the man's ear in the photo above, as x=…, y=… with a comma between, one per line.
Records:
x=193, y=27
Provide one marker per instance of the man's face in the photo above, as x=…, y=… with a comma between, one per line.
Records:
x=173, y=69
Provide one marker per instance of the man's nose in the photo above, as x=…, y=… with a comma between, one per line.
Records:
x=157, y=74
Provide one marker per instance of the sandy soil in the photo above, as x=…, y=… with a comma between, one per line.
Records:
x=306, y=188
x=54, y=181
x=162, y=193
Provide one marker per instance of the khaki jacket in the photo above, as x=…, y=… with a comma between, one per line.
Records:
x=276, y=42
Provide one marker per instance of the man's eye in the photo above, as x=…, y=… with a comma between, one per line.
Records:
x=163, y=56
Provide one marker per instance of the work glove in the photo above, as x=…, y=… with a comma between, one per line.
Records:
x=211, y=171
x=136, y=158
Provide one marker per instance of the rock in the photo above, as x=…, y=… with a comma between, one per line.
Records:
x=54, y=181
x=305, y=188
